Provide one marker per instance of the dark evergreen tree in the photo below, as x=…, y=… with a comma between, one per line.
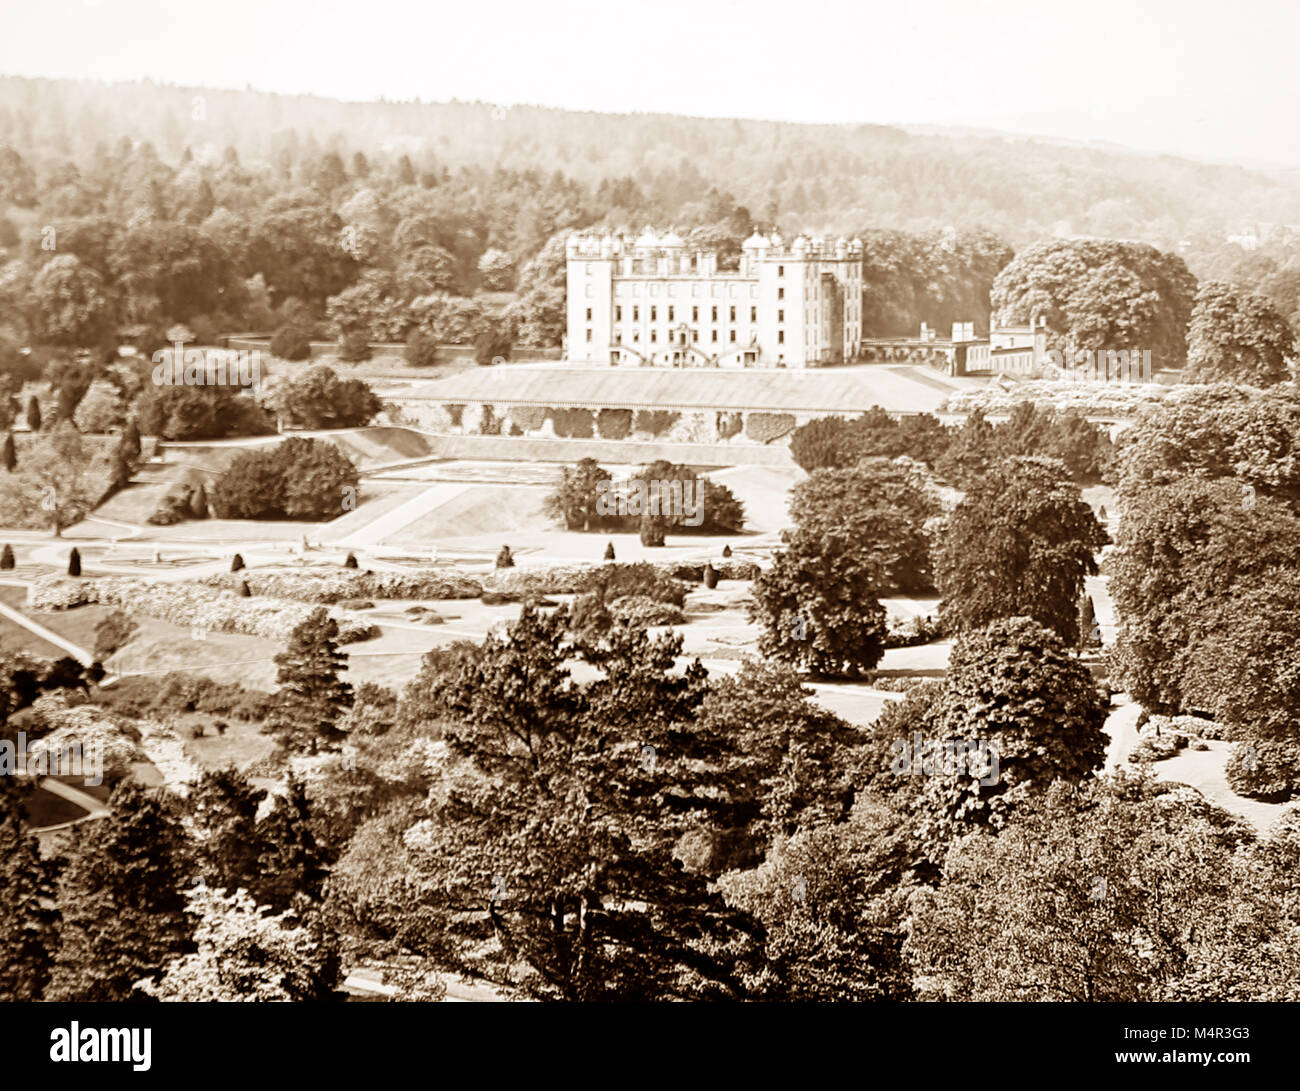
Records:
x=28, y=921
x=121, y=900
x=224, y=806
x=291, y=867
x=311, y=696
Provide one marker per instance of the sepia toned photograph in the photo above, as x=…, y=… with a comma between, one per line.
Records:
x=713, y=502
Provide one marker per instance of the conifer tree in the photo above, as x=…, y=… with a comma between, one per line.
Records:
x=120, y=897
x=290, y=865
x=28, y=923
x=311, y=697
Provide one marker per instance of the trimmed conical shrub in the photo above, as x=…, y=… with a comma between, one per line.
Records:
x=244, y=592
x=7, y=557
x=10, y=453
x=710, y=576
x=350, y=561
x=504, y=558
x=236, y=562
x=726, y=551
x=74, y=562
x=609, y=551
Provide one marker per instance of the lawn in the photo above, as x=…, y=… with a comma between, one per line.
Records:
x=14, y=638
x=46, y=809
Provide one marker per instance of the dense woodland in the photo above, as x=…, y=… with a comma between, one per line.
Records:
x=127, y=209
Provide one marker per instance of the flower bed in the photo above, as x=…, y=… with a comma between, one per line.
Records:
x=570, y=579
x=1104, y=399
x=166, y=751
x=350, y=583
x=102, y=736
x=641, y=610
x=193, y=605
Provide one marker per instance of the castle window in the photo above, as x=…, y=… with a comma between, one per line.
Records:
x=780, y=270
x=589, y=335
x=714, y=338
x=618, y=314
x=695, y=335
x=654, y=314
x=733, y=314
x=780, y=293
x=670, y=314
x=732, y=338
x=715, y=314
x=695, y=314
x=780, y=316
x=636, y=314
x=588, y=314
x=780, y=337
x=590, y=291
x=654, y=335
x=753, y=314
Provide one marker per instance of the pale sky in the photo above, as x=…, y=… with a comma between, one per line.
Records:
x=1209, y=80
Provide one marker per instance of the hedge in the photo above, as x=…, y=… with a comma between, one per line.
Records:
x=191, y=605
x=336, y=585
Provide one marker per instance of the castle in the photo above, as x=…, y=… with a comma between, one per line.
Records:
x=651, y=302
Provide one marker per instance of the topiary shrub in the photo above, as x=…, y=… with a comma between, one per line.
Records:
x=504, y=558
x=291, y=342
x=74, y=562
x=573, y=423
x=7, y=558
x=354, y=347
x=244, y=592
x=350, y=561
x=609, y=552
x=656, y=421
x=236, y=562
x=614, y=423
x=527, y=418
x=710, y=577
x=726, y=551
x=766, y=427
x=652, y=533
x=421, y=348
